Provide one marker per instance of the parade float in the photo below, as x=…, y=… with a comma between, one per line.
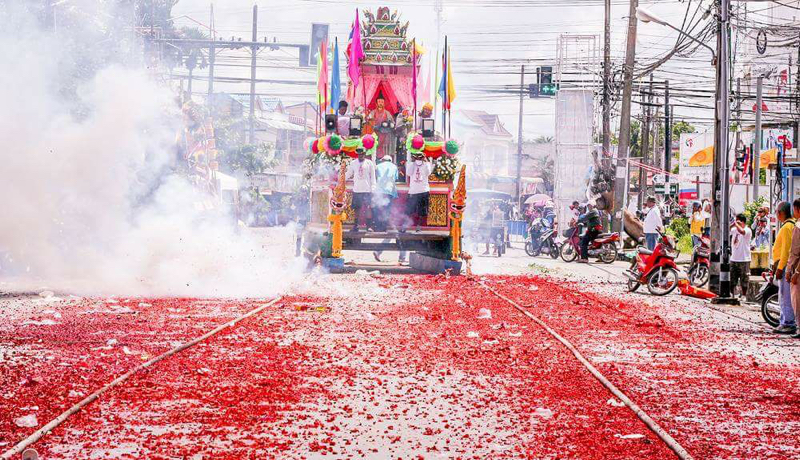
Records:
x=386, y=72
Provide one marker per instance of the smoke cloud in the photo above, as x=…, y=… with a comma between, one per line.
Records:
x=90, y=204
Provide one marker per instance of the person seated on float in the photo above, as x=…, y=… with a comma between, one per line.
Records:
x=343, y=122
x=591, y=220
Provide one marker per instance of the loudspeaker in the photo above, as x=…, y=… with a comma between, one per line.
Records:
x=331, y=122
x=428, y=127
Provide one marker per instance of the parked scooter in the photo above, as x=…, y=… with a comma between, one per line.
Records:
x=542, y=239
x=698, y=270
x=604, y=247
x=767, y=297
x=655, y=268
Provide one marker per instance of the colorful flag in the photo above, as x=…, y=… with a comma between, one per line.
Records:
x=447, y=89
x=322, y=76
x=356, y=53
x=336, y=85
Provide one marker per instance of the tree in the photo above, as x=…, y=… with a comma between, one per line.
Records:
x=235, y=154
x=546, y=167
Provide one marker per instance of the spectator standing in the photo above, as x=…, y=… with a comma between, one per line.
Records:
x=707, y=216
x=780, y=254
x=696, y=223
x=741, y=235
x=362, y=173
x=793, y=267
x=761, y=233
x=652, y=223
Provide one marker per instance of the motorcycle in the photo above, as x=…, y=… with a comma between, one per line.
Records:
x=767, y=297
x=542, y=239
x=698, y=270
x=604, y=247
x=655, y=268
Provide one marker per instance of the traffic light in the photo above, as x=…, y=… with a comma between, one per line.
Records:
x=545, y=79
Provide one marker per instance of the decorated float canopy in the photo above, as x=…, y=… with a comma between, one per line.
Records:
x=386, y=70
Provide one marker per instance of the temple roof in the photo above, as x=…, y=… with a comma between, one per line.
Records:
x=384, y=38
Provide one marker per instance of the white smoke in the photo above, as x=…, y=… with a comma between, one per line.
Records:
x=86, y=204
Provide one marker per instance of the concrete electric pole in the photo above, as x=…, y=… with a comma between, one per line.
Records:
x=607, y=80
x=254, y=51
x=625, y=121
x=720, y=231
x=519, y=136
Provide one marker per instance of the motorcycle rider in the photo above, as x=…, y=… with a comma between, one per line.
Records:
x=591, y=220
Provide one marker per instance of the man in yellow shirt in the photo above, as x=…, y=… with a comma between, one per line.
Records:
x=780, y=254
x=697, y=223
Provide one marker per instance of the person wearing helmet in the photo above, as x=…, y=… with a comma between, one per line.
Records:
x=696, y=223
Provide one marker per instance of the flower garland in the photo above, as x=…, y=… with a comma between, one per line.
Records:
x=445, y=168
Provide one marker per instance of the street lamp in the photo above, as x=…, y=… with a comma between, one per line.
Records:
x=646, y=16
x=721, y=194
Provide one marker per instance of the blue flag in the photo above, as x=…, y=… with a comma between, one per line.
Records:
x=336, y=85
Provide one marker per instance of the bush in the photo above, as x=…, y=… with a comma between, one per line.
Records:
x=679, y=227
x=751, y=208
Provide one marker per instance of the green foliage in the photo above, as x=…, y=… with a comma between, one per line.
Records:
x=684, y=244
x=751, y=208
x=546, y=167
x=679, y=227
x=251, y=159
x=235, y=154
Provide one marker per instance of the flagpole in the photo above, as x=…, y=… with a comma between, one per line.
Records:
x=414, y=69
x=444, y=86
x=447, y=91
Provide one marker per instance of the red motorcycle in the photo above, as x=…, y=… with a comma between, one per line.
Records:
x=698, y=270
x=655, y=268
x=604, y=247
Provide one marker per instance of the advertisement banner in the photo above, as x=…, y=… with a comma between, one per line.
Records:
x=697, y=156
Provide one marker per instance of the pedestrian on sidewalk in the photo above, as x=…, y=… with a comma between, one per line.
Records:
x=793, y=268
x=362, y=173
x=652, y=223
x=740, y=254
x=780, y=254
x=697, y=223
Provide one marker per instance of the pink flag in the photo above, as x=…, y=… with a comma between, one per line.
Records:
x=356, y=54
x=322, y=79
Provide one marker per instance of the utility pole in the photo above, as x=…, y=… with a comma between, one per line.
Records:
x=645, y=143
x=720, y=273
x=607, y=81
x=625, y=120
x=738, y=139
x=519, y=136
x=253, y=50
x=211, y=58
x=759, y=136
x=667, y=138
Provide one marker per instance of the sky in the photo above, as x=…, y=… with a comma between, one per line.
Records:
x=489, y=40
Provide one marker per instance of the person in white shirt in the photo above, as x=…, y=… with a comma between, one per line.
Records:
x=362, y=173
x=417, y=172
x=652, y=223
x=740, y=253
